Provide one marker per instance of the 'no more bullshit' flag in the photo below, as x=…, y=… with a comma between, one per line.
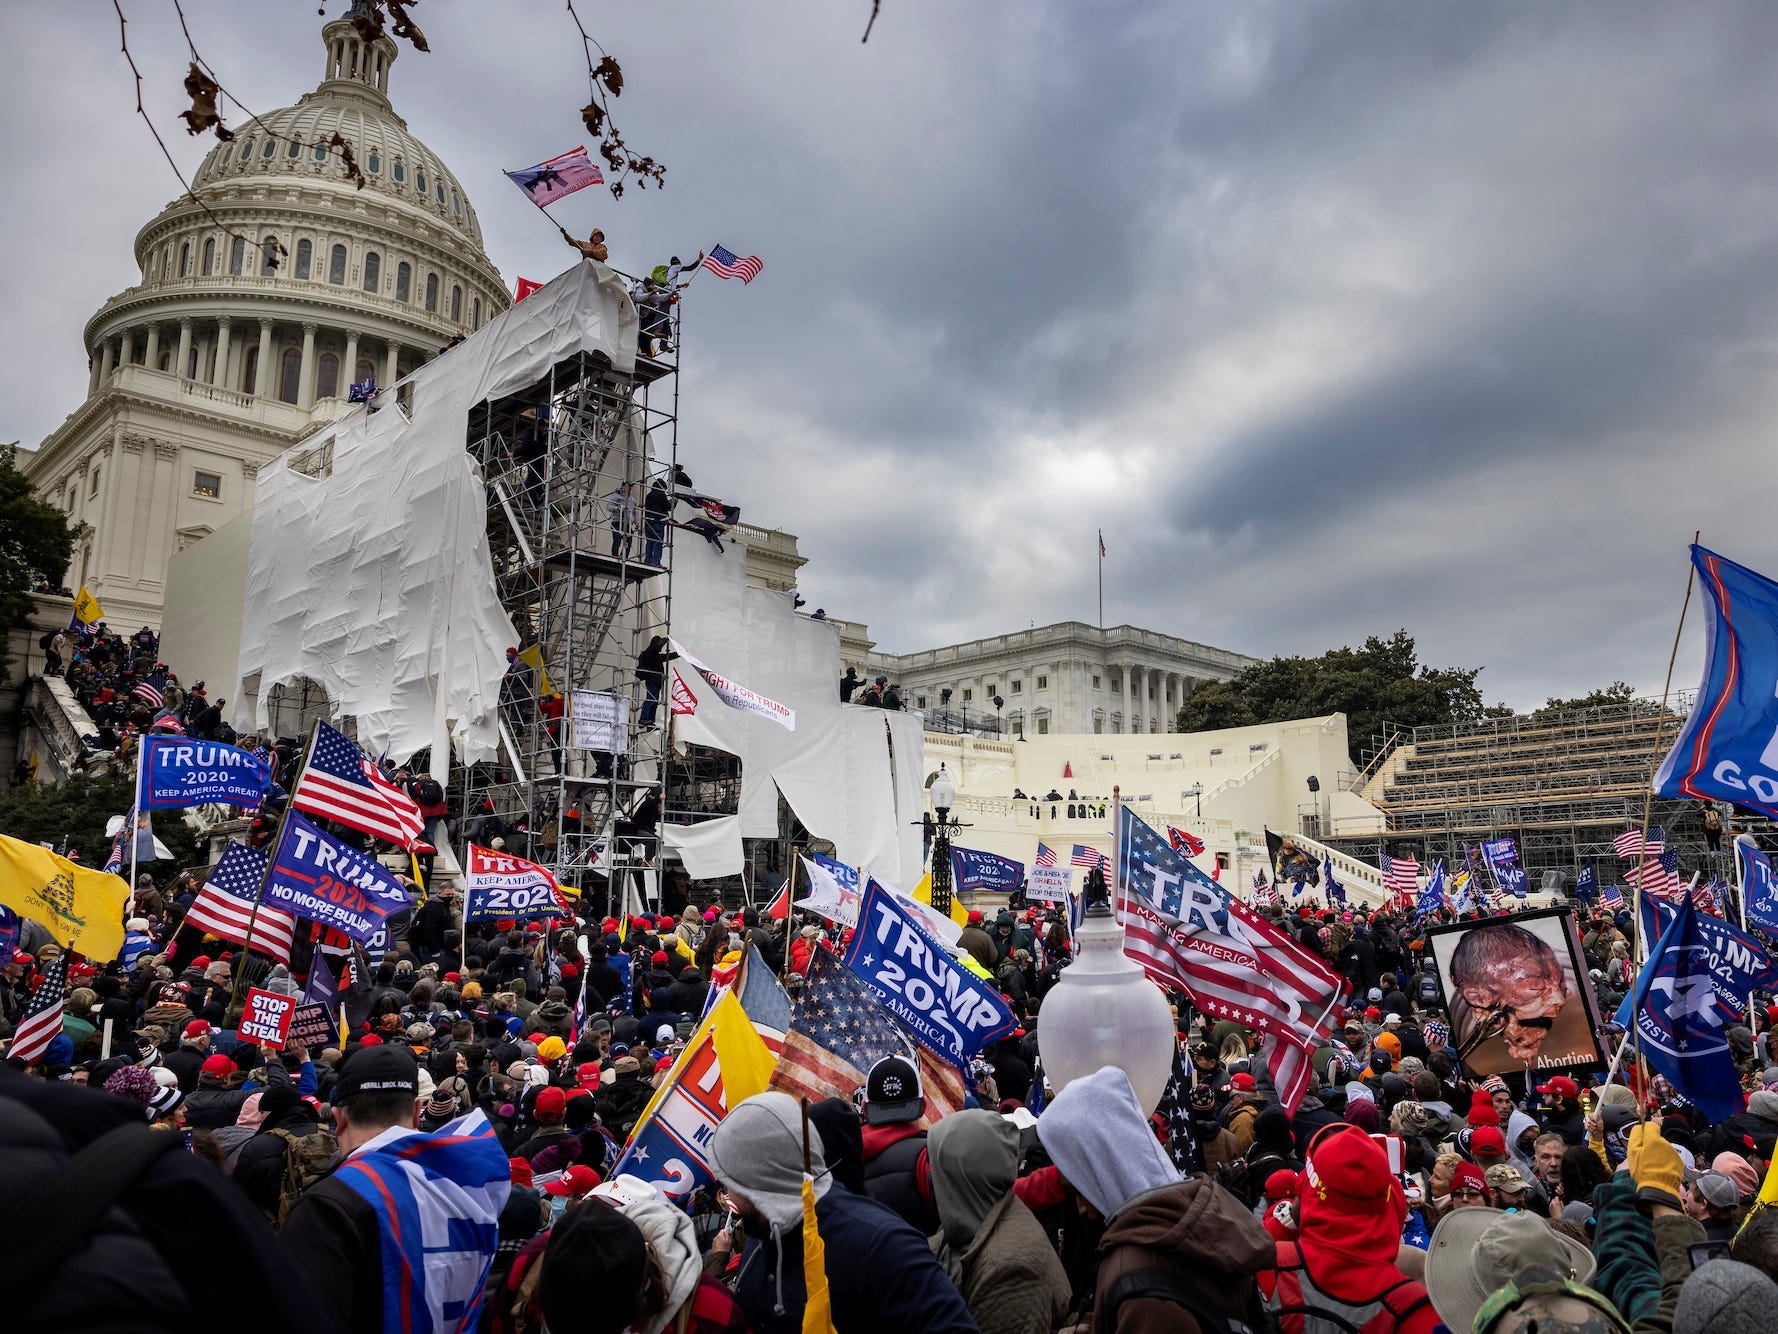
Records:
x=941, y=1002
x=320, y=878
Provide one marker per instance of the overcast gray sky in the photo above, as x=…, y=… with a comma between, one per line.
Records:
x=1336, y=317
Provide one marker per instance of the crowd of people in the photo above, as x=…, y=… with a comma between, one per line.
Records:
x=454, y=1146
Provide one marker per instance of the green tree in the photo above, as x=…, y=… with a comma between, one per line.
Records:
x=1615, y=695
x=1381, y=681
x=36, y=541
x=78, y=809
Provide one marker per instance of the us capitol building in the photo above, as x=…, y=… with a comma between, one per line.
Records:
x=219, y=359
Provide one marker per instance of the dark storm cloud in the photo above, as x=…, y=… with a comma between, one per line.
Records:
x=1335, y=318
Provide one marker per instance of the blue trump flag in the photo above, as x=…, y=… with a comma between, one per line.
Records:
x=1586, y=886
x=320, y=878
x=975, y=871
x=1738, y=962
x=178, y=771
x=846, y=875
x=1759, y=889
x=1727, y=749
x=942, y=1003
x=1679, y=1026
x=1336, y=892
x=1432, y=898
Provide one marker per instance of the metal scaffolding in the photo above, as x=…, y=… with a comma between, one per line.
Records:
x=585, y=597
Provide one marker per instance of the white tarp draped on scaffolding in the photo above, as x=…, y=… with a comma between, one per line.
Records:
x=374, y=579
x=836, y=769
x=708, y=850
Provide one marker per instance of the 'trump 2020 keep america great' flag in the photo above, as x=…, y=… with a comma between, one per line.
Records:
x=339, y=783
x=1186, y=930
x=1728, y=748
x=179, y=772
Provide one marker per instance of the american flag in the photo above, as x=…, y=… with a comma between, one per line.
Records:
x=1184, y=842
x=150, y=690
x=838, y=1031
x=764, y=999
x=1182, y=1146
x=339, y=783
x=167, y=721
x=1187, y=931
x=1046, y=855
x=1658, y=876
x=224, y=906
x=1087, y=857
x=1710, y=896
x=41, y=1021
x=1612, y=898
x=1629, y=843
x=1401, y=878
x=724, y=265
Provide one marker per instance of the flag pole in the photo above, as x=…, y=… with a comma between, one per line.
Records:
x=1648, y=800
x=270, y=862
x=135, y=816
x=1101, y=578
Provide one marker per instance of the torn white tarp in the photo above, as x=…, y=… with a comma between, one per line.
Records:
x=708, y=850
x=374, y=578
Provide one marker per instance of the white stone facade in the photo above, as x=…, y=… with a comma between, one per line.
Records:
x=218, y=361
x=1068, y=678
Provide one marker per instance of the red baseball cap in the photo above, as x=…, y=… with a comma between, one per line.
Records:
x=218, y=1065
x=198, y=1028
x=1240, y=1084
x=202, y=961
x=658, y=958
x=1373, y=1013
x=1562, y=1086
x=588, y=1073
x=1487, y=1139
x=552, y=1101
x=577, y=1180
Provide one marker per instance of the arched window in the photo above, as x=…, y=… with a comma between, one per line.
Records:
x=185, y=260
x=420, y=180
x=291, y=380
x=209, y=255
x=404, y=278
x=166, y=269
x=456, y=204
x=400, y=172
x=246, y=152
x=328, y=383
x=320, y=152
x=336, y=265
x=227, y=152
x=475, y=317
x=432, y=293
x=373, y=270
x=268, y=256
x=271, y=146
x=440, y=192
x=373, y=164
x=237, y=255
x=250, y=370
x=363, y=371
x=296, y=149
x=456, y=302
x=305, y=253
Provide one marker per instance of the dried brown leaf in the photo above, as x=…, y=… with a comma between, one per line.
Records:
x=404, y=23
x=617, y=189
x=202, y=90
x=593, y=116
x=608, y=73
x=354, y=172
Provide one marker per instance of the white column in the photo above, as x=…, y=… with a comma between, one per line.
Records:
x=184, y=348
x=349, y=371
x=390, y=373
x=95, y=369
x=220, y=378
x=305, y=391
x=126, y=354
x=151, y=358
x=107, y=362
x=264, y=382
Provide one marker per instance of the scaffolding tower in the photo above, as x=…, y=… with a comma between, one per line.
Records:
x=586, y=594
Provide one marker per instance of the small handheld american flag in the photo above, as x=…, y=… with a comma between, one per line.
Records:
x=42, y=1017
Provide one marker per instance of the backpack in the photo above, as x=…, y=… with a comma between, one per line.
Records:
x=1166, y=1285
x=306, y=1160
x=1294, y=1293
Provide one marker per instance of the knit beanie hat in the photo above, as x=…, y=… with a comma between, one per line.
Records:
x=1725, y=1297
x=594, y=1249
x=133, y=1082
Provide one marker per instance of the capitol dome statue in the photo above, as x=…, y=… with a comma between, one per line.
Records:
x=229, y=350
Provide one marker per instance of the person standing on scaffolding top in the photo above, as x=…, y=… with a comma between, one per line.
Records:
x=593, y=247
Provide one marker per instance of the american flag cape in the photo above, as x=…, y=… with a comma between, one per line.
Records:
x=339, y=783
x=1188, y=932
x=41, y=1021
x=224, y=906
x=437, y=1199
x=838, y=1031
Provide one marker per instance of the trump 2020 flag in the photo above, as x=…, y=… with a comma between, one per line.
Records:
x=1680, y=1029
x=915, y=978
x=1727, y=749
x=179, y=771
x=984, y=871
x=1759, y=887
x=1738, y=963
x=1432, y=898
x=320, y=878
x=1586, y=884
x=501, y=885
x=556, y=179
x=1502, y=856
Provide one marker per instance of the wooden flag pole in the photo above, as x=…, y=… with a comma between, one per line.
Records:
x=1648, y=801
x=270, y=862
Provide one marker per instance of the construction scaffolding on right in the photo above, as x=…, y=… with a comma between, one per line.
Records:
x=1562, y=782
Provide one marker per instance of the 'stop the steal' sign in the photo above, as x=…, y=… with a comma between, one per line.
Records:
x=942, y=1003
x=320, y=878
x=178, y=772
x=265, y=1018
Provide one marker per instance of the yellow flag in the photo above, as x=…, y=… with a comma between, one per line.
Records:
x=82, y=908
x=533, y=658
x=817, y=1305
x=741, y=1054
x=87, y=608
x=923, y=894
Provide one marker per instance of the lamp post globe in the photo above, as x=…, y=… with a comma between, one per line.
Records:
x=1104, y=1011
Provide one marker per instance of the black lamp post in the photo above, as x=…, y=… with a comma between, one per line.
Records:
x=944, y=794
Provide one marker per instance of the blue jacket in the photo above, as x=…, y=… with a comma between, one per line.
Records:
x=881, y=1275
